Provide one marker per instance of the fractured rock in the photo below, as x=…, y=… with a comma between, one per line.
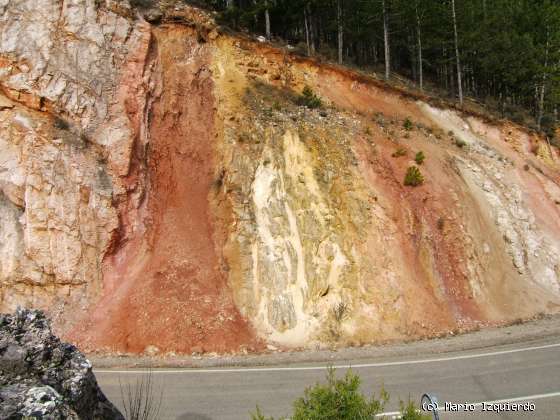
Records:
x=42, y=377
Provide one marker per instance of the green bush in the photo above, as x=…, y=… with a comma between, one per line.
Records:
x=338, y=399
x=413, y=177
x=460, y=143
x=419, y=158
x=309, y=99
x=407, y=124
x=341, y=399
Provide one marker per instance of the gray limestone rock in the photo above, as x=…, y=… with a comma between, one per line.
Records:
x=42, y=377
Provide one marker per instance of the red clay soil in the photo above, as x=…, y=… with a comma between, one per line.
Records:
x=420, y=209
x=166, y=287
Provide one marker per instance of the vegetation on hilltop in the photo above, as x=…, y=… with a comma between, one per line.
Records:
x=504, y=53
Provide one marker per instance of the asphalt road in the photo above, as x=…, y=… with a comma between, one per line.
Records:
x=527, y=372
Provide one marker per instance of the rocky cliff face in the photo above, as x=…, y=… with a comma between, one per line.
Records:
x=162, y=182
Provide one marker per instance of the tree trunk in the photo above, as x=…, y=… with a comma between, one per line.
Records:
x=445, y=68
x=457, y=57
x=340, y=31
x=309, y=30
x=419, y=48
x=307, y=36
x=542, y=87
x=267, y=19
x=386, y=42
x=413, y=56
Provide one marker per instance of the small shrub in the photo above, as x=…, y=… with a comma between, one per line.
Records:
x=310, y=99
x=276, y=106
x=399, y=152
x=340, y=310
x=407, y=124
x=339, y=399
x=410, y=412
x=61, y=123
x=368, y=131
x=258, y=415
x=460, y=143
x=419, y=158
x=139, y=401
x=219, y=181
x=518, y=118
x=548, y=125
x=413, y=177
x=379, y=118
x=440, y=223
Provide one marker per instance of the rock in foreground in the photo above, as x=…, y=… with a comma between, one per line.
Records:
x=41, y=377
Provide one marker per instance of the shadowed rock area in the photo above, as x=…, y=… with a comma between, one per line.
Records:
x=41, y=377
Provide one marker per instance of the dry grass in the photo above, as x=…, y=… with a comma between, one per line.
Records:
x=140, y=401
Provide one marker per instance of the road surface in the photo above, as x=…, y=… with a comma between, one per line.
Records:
x=523, y=372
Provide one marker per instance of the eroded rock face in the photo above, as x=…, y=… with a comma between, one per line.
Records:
x=61, y=149
x=56, y=209
x=162, y=183
x=41, y=377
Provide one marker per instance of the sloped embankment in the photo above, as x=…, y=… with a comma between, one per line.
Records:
x=331, y=246
x=224, y=215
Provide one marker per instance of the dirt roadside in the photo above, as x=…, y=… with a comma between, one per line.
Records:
x=538, y=330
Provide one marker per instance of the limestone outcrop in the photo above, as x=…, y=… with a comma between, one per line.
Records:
x=162, y=188
x=41, y=377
